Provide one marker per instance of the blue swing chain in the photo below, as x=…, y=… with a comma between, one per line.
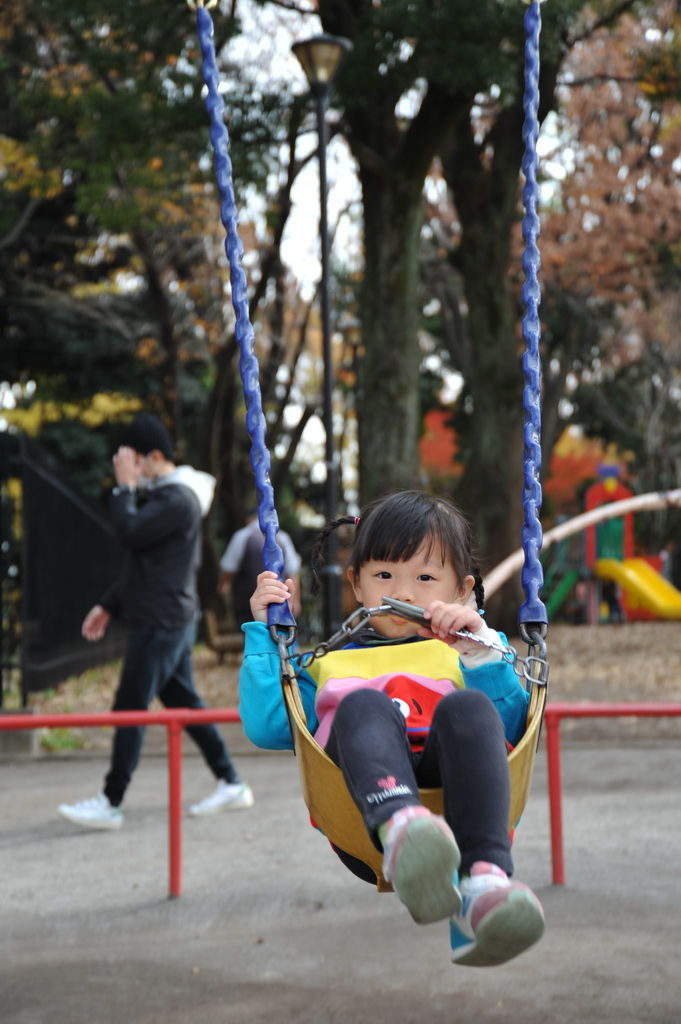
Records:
x=278, y=615
x=533, y=611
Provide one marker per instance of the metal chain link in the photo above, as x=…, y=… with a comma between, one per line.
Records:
x=533, y=669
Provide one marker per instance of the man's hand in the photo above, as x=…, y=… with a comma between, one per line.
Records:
x=225, y=583
x=127, y=467
x=95, y=623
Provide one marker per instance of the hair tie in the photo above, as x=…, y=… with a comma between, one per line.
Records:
x=357, y=520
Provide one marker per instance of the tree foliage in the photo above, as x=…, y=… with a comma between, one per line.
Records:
x=610, y=251
x=445, y=81
x=113, y=271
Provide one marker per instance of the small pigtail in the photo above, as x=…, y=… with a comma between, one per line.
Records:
x=317, y=553
x=478, y=589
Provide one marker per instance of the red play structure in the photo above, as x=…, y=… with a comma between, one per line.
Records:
x=634, y=583
x=622, y=586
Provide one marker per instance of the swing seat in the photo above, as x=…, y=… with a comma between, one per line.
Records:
x=325, y=793
x=333, y=810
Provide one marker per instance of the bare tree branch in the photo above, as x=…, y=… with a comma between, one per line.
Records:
x=25, y=216
x=605, y=20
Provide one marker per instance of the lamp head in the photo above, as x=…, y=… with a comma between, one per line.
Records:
x=320, y=58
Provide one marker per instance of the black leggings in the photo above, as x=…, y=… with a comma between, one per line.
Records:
x=465, y=754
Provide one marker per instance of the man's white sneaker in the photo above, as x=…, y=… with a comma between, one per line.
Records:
x=227, y=796
x=94, y=813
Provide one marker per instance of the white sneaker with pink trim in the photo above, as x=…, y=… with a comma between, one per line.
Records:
x=420, y=858
x=498, y=919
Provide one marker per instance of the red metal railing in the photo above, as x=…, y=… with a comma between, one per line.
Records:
x=174, y=720
x=554, y=713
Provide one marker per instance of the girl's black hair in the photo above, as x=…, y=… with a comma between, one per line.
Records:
x=393, y=528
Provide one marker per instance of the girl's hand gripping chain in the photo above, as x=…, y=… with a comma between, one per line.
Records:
x=446, y=622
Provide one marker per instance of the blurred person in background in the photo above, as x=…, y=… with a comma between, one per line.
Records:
x=156, y=508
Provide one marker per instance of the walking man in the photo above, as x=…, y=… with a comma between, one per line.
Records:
x=157, y=508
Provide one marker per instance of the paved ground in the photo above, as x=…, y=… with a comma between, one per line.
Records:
x=271, y=928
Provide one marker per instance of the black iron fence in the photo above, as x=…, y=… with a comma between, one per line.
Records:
x=58, y=554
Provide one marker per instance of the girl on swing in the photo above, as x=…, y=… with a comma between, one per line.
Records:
x=406, y=705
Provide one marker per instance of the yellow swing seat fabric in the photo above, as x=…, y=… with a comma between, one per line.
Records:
x=332, y=808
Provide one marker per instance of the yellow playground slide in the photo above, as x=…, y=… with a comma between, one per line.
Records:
x=644, y=586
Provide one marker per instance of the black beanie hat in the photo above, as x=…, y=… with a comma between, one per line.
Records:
x=146, y=434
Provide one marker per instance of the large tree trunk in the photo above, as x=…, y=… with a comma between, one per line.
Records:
x=388, y=399
x=491, y=487
x=484, y=180
x=393, y=164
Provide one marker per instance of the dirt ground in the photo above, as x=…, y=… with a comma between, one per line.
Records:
x=270, y=927
x=638, y=661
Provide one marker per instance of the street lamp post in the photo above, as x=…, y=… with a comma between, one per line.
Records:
x=320, y=57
